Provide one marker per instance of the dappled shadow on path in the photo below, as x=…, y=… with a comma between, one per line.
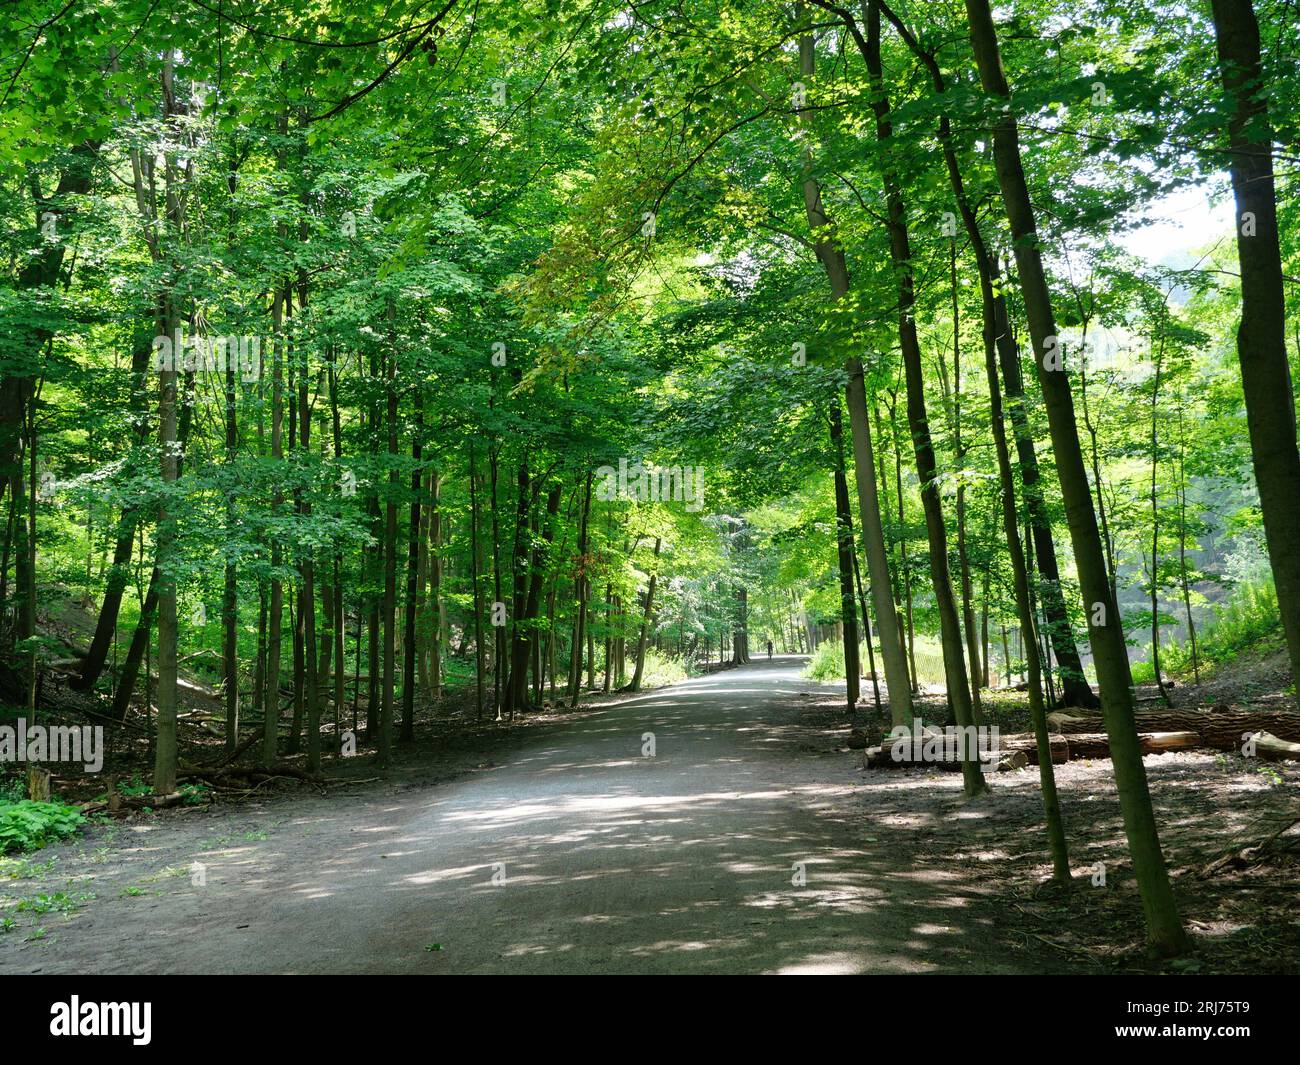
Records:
x=688, y=830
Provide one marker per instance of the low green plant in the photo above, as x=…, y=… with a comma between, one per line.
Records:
x=661, y=669
x=827, y=663
x=55, y=902
x=1247, y=621
x=29, y=826
x=195, y=794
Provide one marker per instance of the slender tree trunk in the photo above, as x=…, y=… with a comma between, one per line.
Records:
x=230, y=593
x=478, y=595
x=1155, y=524
x=904, y=566
x=385, y=745
x=963, y=548
x=271, y=707
x=580, y=595
x=918, y=420
x=412, y=574
x=307, y=565
x=499, y=630
x=165, y=749
x=1164, y=928
x=844, y=551
x=435, y=605
x=646, y=615
x=1182, y=542
x=831, y=256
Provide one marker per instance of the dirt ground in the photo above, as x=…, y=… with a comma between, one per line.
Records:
x=749, y=840
x=1243, y=915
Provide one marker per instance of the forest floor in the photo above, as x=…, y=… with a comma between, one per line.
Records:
x=751, y=841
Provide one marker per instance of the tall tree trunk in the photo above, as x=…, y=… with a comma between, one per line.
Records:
x=412, y=648
x=475, y=567
x=165, y=748
x=918, y=420
x=230, y=591
x=499, y=630
x=963, y=548
x=831, y=256
x=905, y=569
x=647, y=614
x=580, y=595
x=271, y=706
x=1155, y=521
x=844, y=551
x=1164, y=928
x=435, y=606
x=385, y=745
x=307, y=571
x=1182, y=542
x=1261, y=335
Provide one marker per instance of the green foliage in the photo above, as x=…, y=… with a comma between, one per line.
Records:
x=1247, y=623
x=29, y=826
x=53, y=902
x=827, y=662
x=661, y=669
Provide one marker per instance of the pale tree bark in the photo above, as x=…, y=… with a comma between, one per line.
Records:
x=831, y=256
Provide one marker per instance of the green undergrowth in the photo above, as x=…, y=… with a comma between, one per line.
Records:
x=27, y=826
x=1247, y=623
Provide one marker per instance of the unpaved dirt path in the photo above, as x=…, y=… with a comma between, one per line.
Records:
x=605, y=861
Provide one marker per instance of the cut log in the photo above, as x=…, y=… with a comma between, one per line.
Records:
x=1064, y=748
x=1097, y=744
x=1013, y=751
x=1026, y=743
x=1268, y=746
x=1013, y=760
x=1221, y=728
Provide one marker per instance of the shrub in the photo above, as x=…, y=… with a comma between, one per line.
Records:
x=1247, y=621
x=827, y=662
x=29, y=826
x=661, y=669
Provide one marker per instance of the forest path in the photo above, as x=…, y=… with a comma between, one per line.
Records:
x=612, y=862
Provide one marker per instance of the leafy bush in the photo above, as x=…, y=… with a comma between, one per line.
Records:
x=1247, y=621
x=827, y=662
x=661, y=670
x=29, y=826
x=1145, y=672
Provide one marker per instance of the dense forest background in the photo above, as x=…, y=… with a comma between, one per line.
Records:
x=358, y=355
